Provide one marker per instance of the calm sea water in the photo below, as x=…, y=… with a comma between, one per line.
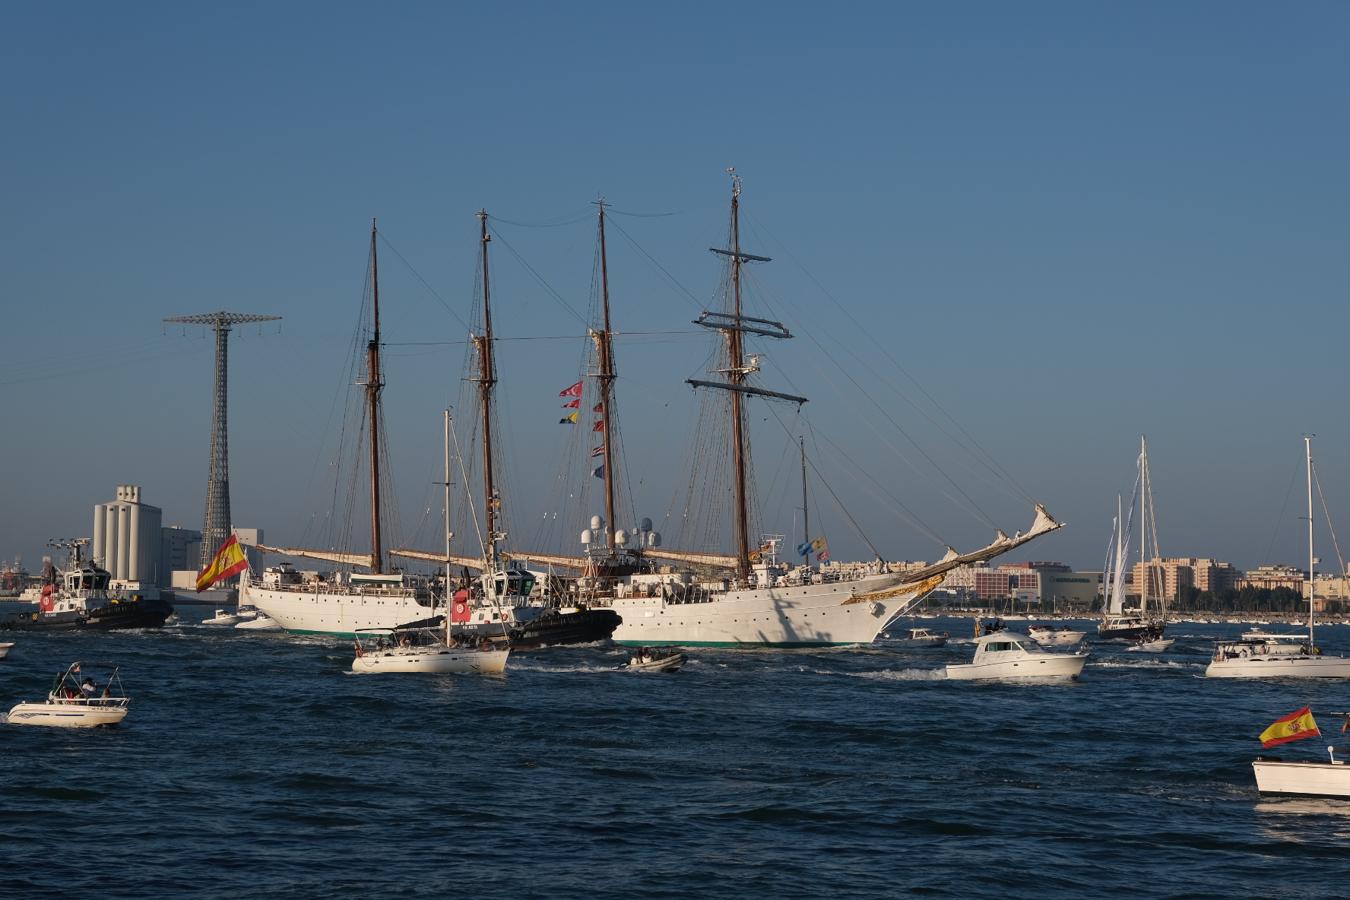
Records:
x=254, y=764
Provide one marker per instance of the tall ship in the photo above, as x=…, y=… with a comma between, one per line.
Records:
x=750, y=597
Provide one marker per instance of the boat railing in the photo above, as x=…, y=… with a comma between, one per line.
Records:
x=101, y=702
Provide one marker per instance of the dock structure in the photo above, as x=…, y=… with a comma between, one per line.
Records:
x=216, y=521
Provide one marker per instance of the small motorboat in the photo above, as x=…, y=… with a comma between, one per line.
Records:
x=1055, y=637
x=426, y=647
x=1157, y=645
x=260, y=622
x=1311, y=778
x=918, y=637
x=648, y=660
x=1009, y=656
x=5, y=647
x=223, y=619
x=86, y=695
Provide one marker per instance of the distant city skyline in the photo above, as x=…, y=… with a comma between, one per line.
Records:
x=1070, y=225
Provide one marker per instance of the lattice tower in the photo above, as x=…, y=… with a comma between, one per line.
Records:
x=216, y=522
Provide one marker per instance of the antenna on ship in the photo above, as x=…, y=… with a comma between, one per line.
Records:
x=216, y=521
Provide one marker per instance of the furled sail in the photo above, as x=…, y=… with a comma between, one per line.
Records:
x=471, y=562
x=364, y=560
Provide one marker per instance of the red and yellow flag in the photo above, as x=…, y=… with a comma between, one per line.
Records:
x=229, y=561
x=1293, y=727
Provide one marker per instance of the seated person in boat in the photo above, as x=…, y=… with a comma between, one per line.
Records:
x=88, y=689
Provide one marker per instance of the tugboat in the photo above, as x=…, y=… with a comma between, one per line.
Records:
x=85, y=599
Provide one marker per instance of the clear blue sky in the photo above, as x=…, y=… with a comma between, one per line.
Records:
x=1072, y=222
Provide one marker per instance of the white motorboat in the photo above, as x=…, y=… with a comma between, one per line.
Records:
x=647, y=660
x=78, y=700
x=1281, y=655
x=426, y=647
x=1158, y=646
x=1009, y=656
x=917, y=637
x=1055, y=637
x=5, y=647
x=223, y=618
x=260, y=622
x=1312, y=778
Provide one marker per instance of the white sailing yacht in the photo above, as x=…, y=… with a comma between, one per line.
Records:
x=1276, y=656
x=759, y=601
x=1137, y=624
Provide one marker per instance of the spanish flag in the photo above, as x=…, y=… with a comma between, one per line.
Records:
x=1295, y=726
x=229, y=561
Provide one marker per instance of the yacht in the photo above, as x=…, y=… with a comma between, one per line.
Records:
x=1119, y=623
x=1009, y=656
x=1281, y=655
x=77, y=700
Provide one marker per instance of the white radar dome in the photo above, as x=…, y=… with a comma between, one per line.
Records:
x=621, y=536
x=586, y=536
x=654, y=539
x=597, y=522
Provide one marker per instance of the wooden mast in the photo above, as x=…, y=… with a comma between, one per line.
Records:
x=806, y=513
x=605, y=348
x=736, y=376
x=487, y=378
x=373, y=385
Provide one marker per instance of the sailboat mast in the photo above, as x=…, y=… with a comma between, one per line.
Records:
x=487, y=378
x=806, y=513
x=605, y=347
x=446, y=485
x=737, y=378
x=1307, y=443
x=373, y=385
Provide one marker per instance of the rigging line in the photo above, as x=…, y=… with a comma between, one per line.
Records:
x=557, y=222
x=698, y=304
x=418, y=275
x=638, y=215
x=973, y=506
x=907, y=514
x=989, y=461
x=1280, y=519
x=1330, y=528
x=540, y=279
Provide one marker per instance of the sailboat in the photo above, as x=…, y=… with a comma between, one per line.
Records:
x=1119, y=623
x=504, y=595
x=345, y=602
x=757, y=601
x=432, y=646
x=1277, y=656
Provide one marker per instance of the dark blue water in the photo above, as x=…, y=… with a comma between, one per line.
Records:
x=254, y=764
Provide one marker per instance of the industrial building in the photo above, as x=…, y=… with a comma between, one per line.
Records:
x=126, y=537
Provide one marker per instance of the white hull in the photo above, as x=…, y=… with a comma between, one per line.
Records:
x=223, y=620
x=1305, y=779
x=1047, y=667
x=260, y=622
x=4, y=649
x=1280, y=667
x=66, y=715
x=1059, y=638
x=319, y=612
x=432, y=660
x=790, y=615
x=1153, y=646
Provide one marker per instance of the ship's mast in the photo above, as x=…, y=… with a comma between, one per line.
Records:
x=487, y=378
x=1307, y=443
x=448, y=535
x=734, y=325
x=806, y=513
x=604, y=345
x=737, y=377
x=373, y=386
